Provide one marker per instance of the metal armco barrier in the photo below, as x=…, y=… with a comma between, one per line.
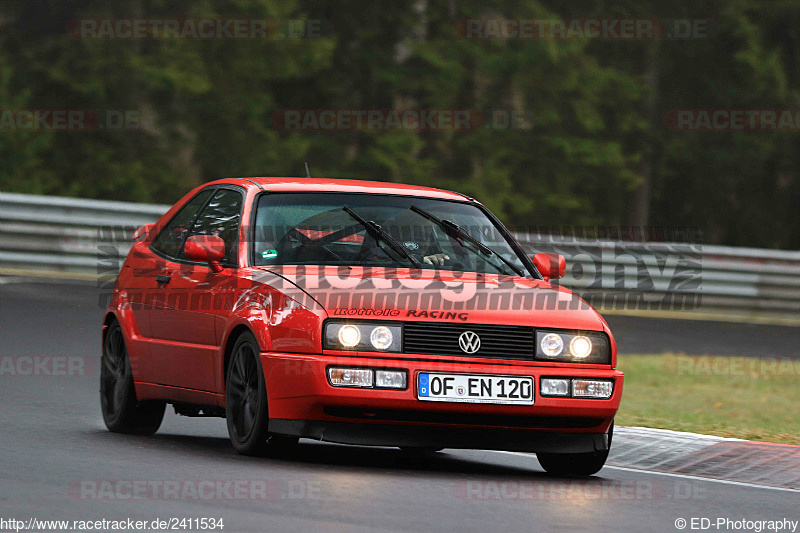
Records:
x=92, y=236
x=677, y=276
x=66, y=234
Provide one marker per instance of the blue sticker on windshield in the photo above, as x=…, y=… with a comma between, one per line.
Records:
x=411, y=245
x=269, y=254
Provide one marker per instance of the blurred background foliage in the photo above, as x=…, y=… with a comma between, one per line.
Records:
x=593, y=148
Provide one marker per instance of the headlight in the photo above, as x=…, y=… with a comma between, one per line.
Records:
x=349, y=336
x=552, y=345
x=362, y=336
x=580, y=347
x=573, y=347
x=381, y=338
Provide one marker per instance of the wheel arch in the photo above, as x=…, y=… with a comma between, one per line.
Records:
x=108, y=318
x=230, y=341
x=110, y=315
x=125, y=319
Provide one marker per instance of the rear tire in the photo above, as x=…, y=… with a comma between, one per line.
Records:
x=575, y=464
x=246, y=409
x=122, y=412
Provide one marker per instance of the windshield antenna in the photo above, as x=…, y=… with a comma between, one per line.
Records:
x=308, y=174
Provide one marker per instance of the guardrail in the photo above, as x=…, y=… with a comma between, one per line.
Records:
x=64, y=234
x=657, y=276
x=67, y=235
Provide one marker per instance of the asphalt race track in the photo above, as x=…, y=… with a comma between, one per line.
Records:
x=57, y=461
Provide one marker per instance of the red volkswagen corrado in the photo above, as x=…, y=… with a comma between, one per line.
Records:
x=356, y=312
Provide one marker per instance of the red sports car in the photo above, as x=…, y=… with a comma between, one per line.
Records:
x=356, y=312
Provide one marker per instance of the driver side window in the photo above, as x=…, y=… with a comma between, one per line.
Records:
x=221, y=218
x=170, y=241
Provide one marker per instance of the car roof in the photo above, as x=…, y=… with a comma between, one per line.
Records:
x=296, y=184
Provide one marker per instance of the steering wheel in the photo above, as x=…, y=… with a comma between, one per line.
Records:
x=316, y=246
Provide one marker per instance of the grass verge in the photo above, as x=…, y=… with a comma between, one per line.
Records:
x=746, y=398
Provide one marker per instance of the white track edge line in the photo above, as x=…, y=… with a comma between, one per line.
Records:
x=701, y=478
x=697, y=436
x=683, y=476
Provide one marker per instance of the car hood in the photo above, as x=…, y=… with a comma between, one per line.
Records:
x=432, y=296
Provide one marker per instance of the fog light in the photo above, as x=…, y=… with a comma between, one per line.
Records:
x=580, y=347
x=381, y=337
x=552, y=344
x=350, y=377
x=592, y=388
x=390, y=379
x=349, y=336
x=554, y=387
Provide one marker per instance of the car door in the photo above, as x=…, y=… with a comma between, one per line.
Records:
x=185, y=333
x=147, y=287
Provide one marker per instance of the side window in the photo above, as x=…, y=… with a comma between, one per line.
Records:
x=170, y=241
x=221, y=218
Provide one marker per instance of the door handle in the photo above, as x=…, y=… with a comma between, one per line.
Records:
x=161, y=278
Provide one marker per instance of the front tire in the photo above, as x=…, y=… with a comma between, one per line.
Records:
x=246, y=409
x=122, y=412
x=575, y=464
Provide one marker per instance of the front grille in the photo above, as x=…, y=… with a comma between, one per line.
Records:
x=502, y=342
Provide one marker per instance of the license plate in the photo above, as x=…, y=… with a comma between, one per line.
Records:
x=475, y=388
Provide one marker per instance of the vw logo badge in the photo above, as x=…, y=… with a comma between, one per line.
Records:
x=469, y=342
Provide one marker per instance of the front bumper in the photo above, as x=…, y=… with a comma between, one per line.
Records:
x=302, y=403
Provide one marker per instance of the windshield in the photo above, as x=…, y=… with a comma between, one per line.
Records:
x=382, y=231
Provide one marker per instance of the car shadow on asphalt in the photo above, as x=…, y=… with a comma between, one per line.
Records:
x=475, y=463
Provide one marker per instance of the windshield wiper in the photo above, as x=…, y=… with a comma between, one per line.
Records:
x=457, y=232
x=378, y=233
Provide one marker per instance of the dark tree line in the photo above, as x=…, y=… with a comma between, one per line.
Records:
x=574, y=131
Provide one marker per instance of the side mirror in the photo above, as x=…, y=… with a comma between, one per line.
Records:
x=550, y=266
x=206, y=249
x=143, y=231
